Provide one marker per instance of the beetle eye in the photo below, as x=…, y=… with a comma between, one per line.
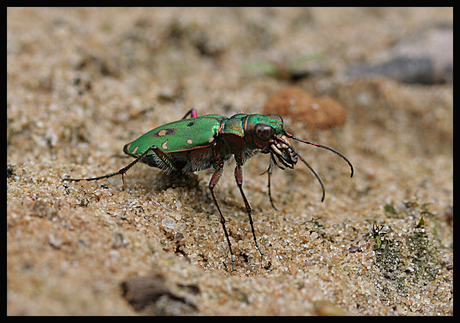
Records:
x=264, y=131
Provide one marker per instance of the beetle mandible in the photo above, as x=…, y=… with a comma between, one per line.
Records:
x=197, y=143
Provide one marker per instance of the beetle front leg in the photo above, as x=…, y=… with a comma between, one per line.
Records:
x=239, y=182
x=212, y=183
x=269, y=171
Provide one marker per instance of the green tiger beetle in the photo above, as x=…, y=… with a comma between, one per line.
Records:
x=197, y=143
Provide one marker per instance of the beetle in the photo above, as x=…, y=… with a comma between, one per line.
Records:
x=197, y=143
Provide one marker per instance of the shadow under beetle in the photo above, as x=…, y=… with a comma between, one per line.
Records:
x=197, y=143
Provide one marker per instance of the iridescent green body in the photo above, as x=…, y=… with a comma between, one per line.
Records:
x=199, y=143
x=185, y=141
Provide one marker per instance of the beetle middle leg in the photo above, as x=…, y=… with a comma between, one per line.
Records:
x=212, y=183
x=239, y=182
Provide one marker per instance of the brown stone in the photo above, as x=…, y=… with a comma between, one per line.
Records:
x=317, y=113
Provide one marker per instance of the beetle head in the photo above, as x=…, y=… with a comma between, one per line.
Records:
x=266, y=134
x=261, y=130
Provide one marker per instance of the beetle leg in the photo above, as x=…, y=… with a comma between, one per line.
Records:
x=214, y=179
x=158, y=152
x=120, y=172
x=239, y=182
x=269, y=172
x=191, y=113
x=168, y=163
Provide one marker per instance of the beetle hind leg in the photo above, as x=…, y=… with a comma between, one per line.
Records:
x=120, y=172
x=161, y=160
x=192, y=113
x=166, y=162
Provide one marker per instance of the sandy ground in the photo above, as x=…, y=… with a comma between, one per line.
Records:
x=81, y=83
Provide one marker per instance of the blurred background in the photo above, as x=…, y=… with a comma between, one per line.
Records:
x=373, y=83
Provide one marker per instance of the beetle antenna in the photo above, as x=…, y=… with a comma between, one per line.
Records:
x=308, y=165
x=324, y=147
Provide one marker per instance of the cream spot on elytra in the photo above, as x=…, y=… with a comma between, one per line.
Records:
x=165, y=145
